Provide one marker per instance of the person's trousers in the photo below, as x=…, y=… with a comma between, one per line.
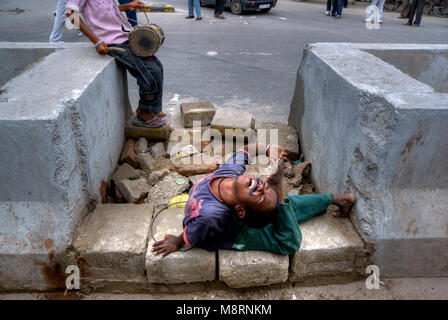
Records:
x=149, y=75
x=59, y=21
x=219, y=7
x=329, y=5
x=131, y=14
x=283, y=236
x=380, y=5
x=194, y=5
x=337, y=7
x=418, y=6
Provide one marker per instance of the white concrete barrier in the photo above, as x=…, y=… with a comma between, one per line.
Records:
x=372, y=119
x=61, y=132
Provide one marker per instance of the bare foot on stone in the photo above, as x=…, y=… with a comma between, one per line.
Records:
x=344, y=202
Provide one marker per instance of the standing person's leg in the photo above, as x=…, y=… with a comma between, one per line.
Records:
x=219, y=8
x=339, y=9
x=197, y=7
x=334, y=6
x=190, y=9
x=380, y=10
x=372, y=9
x=328, y=11
x=412, y=12
x=59, y=21
x=420, y=7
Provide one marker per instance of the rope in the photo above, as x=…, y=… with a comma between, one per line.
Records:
x=153, y=218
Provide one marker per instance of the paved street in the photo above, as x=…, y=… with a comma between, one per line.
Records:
x=248, y=61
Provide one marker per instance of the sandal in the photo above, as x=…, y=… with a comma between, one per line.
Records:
x=148, y=123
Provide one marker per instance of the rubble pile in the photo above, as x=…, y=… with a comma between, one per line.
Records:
x=154, y=171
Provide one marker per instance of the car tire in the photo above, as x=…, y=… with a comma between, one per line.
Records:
x=265, y=10
x=236, y=7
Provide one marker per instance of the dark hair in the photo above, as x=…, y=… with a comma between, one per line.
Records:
x=258, y=220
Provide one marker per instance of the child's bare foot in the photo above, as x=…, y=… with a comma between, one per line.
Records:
x=344, y=203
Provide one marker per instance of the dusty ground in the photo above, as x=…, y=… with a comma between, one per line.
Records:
x=393, y=289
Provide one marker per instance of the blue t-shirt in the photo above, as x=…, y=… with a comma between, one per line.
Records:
x=209, y=222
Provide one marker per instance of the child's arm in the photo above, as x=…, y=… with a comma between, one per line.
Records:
x=102, y=47
x=134, y=5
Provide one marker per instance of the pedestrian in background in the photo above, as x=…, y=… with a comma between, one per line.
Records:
x=219, y=9
x=59, y=21
x=328, y=11
x=336, y=10
x=380, y=5
x=131, y=14
x=194, y=5
x=417, y=5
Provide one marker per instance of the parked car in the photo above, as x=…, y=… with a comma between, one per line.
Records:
x=240, y=6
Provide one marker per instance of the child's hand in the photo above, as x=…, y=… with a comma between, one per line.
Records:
x=277, y=152
x=136, y=5
x=169, y=244
x=102, y=48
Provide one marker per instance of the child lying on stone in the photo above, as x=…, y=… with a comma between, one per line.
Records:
x=105, y=27
x=228, y=210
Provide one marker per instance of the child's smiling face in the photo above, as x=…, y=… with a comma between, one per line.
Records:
x=255, y=194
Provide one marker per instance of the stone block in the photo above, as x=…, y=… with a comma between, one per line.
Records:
x=128, y=154
x=243, y=269
x=151, y=134
x=144, y=160
x=170, y=186
x=134, y=190
x=156, y=176
x=197, y=111
x=125, y=171
x=194, y=265
x=197, y=165
x=330, y=246
x=158, y=150
x=234, y=119
x=141, y=146
x=112, y=242
x=279, y=133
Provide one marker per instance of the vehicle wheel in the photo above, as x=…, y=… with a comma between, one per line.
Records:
x=265, y=10
x=236, y=7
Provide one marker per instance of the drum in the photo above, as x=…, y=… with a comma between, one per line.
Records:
x=146, y=40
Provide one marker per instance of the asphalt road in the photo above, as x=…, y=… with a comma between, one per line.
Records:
x=248, y=62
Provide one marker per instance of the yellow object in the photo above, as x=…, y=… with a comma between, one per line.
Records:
x=179, y=201
x=160, y=7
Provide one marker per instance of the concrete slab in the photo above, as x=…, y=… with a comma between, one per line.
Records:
x=388, y=139
x=197, y=111
x=112, y=242
x=330, y=248
x=194, y=265
x=237, y=122
x=151, y=134
x=243, y=269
